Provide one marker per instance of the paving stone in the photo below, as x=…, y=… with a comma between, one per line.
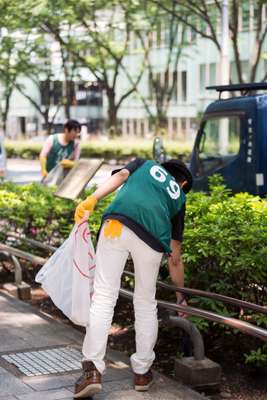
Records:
x=171, y=393
x=10, y=385
x=47, y=395
x=114, y=373
x=125, y=384
x=3, y=371
x=130, y=394
x=50, y=382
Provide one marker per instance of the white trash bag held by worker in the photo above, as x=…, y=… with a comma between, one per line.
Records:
x=68, y=275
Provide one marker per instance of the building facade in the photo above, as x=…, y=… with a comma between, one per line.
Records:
x=198, y=67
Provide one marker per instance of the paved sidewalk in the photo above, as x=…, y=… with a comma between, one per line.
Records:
x=22, y=171
x=29, y=333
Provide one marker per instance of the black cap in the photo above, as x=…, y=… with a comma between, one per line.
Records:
x=178, y=168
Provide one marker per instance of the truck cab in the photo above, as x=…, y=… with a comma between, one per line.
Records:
x=232, y=140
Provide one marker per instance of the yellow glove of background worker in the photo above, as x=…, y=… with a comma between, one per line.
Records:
x=43, y=167
x=66, y=163
x=87, y=205
x=112, y=229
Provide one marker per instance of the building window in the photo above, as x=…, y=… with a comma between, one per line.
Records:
x=191, y=35
x=174, y=126
x=202, y=78
x=245, y=10
x=265, y=70
x=264, y=12
x=244, y=71
x=51, y=92
x=184, y=86
x=88, y=94
x=57, y=92
x=158, y=34
x=45, y=93
x=134, y=126
x=207, y=76
x=212, y=80
x=166, y=79
x=142, y=128
x=175, y=87
x=183, y=124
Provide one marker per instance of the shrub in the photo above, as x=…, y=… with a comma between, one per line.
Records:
x=112, y=149
x=225, y=246
x=225, y=251
x=35, y=211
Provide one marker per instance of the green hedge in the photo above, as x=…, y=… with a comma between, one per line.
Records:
x=224, y=249
x=35, y=211
x=112, y=149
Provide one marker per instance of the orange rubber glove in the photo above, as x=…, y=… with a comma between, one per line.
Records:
x=66, y=163
x=86, y=206
x=112, y=229
x=44, y=172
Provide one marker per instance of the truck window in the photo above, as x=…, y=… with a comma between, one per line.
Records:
x=219, y=143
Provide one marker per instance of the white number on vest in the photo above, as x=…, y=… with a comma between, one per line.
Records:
x=160, y=175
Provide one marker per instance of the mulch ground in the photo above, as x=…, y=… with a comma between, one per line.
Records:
x=239, y=381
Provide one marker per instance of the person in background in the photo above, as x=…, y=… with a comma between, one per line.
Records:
x=145, y=220
x=61, y=148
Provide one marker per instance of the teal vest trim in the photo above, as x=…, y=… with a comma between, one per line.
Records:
x=151, y=197
x=58, y=152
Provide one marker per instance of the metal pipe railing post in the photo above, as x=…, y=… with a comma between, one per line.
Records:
x=187, y=326
x=194, y=334
x=18, y=270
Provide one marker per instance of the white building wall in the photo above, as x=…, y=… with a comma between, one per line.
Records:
x=184, y=114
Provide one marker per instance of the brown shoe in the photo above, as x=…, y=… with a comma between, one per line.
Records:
x=142, y=382
x=89, y=382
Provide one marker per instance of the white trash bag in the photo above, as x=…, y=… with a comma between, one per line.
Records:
x=68, y=275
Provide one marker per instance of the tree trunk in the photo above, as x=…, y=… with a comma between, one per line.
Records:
x=112, y=122
x=48, y=124
x=49, y=128
x=161, y=124
x=5, y=112
x=161, y=117
x=67, y=96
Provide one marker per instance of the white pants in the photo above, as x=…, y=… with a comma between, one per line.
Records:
x=111, y=256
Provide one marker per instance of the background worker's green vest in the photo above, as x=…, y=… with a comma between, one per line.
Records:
x=58, y=152
x=150, y=197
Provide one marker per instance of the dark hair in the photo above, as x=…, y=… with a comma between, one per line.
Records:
x=72, y=124
x=180, y=172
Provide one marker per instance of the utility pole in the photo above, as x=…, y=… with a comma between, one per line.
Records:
x=224, y=75
x=224, y=62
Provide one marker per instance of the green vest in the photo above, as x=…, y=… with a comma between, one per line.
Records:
x=151, y=197
x=58, y=152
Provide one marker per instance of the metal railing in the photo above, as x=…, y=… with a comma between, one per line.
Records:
x=243, y=326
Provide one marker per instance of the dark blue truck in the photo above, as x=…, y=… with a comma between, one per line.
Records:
x=231, y=141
